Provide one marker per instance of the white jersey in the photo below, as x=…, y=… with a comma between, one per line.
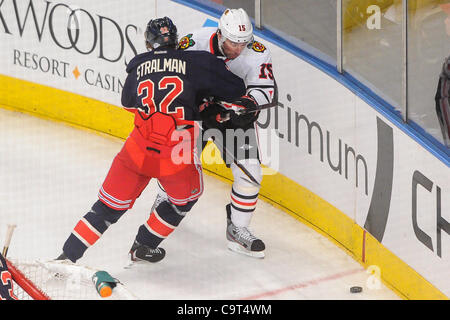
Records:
x=253, y=65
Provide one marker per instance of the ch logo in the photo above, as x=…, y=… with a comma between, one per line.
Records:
x=377, y=216
x=420, y=181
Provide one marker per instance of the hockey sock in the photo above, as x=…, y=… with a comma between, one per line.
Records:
x=242, y=208
x=244, y=193
x=163, y=220
x=89, y=229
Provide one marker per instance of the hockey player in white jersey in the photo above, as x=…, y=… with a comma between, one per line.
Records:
x=233, y=42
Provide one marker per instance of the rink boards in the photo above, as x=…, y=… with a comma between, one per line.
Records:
x=331, y=158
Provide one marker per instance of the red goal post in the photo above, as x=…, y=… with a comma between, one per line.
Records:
x=24, y=287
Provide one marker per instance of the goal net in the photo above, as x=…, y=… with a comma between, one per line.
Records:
x=58, y=280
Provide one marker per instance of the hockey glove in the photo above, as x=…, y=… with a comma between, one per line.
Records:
x=213, y=115
x=246, y=113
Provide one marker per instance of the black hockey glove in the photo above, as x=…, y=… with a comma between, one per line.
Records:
x=248, y=106
x=213, y=115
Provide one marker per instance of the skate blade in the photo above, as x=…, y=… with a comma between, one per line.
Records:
x=236, y=247
x=133, y=263
x=137, y=263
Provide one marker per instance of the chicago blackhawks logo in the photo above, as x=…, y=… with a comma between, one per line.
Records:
x=186, y=42
x=258, y=46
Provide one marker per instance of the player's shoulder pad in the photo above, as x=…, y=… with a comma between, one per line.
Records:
x=202, y=57
x=136, y=60
x=186, y=42
x=259, y=47
x=197, y=38
x=256, y=53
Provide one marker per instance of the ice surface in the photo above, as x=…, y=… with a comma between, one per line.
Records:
x=50, y=174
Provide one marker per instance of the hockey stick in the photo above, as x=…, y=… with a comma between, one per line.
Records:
x=231, y=155
x=240, y=166
x=9, y=234
x=241, y=111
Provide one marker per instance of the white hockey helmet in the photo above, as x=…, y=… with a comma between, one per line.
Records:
x=235, y=25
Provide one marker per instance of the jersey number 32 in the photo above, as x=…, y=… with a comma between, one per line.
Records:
x=146, y=89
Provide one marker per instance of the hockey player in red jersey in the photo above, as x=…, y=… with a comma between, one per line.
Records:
x=251, y=60
x=164, y=89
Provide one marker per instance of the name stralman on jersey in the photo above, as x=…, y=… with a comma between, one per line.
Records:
x=155, y=65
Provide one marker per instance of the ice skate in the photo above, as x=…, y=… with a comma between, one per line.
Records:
x=62, y=258
x=140, y=253
x=241, y=240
